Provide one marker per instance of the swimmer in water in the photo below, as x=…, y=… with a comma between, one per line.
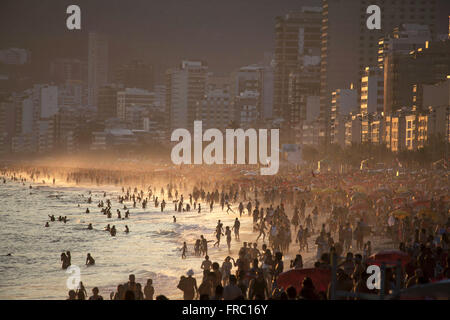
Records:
x=87, y=210
x=47, y=225
x=126, y=229
x=108, y=228
x=69, y=257
x=90, y=226
x=174, y=219
x=89, y=260
x=65, y=261
x=113, y=231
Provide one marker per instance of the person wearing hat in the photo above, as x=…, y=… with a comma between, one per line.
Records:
x=189, y=287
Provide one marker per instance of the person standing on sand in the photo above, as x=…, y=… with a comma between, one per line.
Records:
x=241, y=209
x=204, y=245
x=229, y=208
x=257, y=289
x=261, y=228
x=189, y=286
x=219, y=233
x=206, y=265
x=228, y=235
x=183, y=251
x=226, y=270
x=236, y=226
x=207, y=285
x=232, y=291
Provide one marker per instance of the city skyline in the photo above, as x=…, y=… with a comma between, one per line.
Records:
x=325, y=77
x=160, y=33
x=135, y=132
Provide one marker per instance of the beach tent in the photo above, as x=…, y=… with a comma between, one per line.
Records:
x=320, y=278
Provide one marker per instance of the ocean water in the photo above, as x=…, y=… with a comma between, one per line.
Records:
x=150, y=250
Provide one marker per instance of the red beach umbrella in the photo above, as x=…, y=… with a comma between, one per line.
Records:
x=389, y=257
x=320, y=278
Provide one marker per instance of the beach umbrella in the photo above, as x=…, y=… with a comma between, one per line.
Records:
x=320, y=278
x=401, y=214
x=389, y=257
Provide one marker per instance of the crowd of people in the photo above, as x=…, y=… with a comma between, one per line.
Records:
x=349, y=216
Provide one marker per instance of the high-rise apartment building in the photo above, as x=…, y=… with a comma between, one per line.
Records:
x=372, y=90
x=185, y=88
x=132, y=101
x=160, y=98
x=349, y=46
x=63, y=70
x=402, y=40
x=216, y=108
x=343, y=102
x=296, y=34
x=135, y=74
x=405, y=75
x=15, y=56
x=107, y=101
x=97, y=66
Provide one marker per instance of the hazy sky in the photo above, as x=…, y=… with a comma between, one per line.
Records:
x=225, y=33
